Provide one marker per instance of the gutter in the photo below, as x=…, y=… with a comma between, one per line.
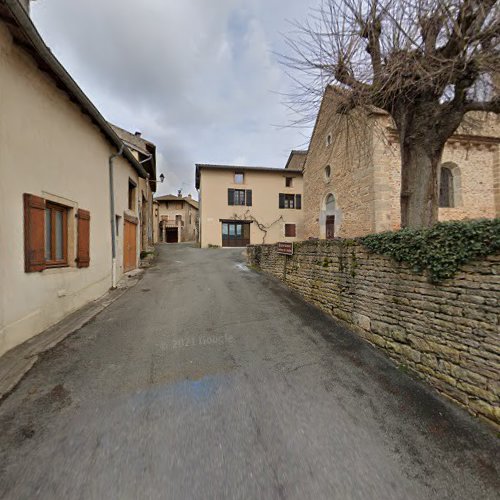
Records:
x=58, y=72
x=113, y=218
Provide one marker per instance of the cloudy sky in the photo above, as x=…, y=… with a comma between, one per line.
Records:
x=197, y=77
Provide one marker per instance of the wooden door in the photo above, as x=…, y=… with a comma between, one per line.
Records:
x=235, y=234
x=330, y=227
x=129, y=246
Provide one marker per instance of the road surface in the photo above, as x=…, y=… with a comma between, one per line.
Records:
x=210, y=380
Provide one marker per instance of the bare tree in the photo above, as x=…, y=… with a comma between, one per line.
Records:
x=425, y=62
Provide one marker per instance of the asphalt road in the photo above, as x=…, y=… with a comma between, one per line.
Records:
x=209, y=380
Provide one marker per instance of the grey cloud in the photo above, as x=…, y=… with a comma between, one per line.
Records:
x=198, y=78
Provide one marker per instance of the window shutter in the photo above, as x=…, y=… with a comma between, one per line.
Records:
x=83, y=252
x=34, y=233
x=249, y=197
x=298, y=201
x=282, y=200
x=230, y=196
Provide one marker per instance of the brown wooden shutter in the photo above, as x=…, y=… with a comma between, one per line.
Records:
x=34, y=233
x=83, y=252
x=298, y=201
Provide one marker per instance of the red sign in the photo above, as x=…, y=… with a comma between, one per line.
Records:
x=284, y=248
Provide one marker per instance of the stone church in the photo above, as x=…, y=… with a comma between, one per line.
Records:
x=352, y=172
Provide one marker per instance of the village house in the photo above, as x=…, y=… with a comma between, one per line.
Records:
x=247, y=205
x=352, y=174
x=69, y=196
x=176, y=219
x=145, y=152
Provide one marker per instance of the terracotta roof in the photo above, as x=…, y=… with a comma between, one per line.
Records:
x=27, y=37
x=173, y=197
x=239, y=168
x=295, y=152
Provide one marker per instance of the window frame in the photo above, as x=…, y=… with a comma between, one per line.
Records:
x=239, y=197
x=289, y=201
x=132, y=196
x=53, y=261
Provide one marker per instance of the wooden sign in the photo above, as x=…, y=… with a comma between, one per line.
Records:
x=284, y=248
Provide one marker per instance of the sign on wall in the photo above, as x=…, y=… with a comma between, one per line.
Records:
x=284, y=247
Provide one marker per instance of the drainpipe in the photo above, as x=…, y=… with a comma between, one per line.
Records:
x=113, y=218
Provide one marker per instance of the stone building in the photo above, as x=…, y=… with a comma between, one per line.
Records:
x=243, y=205
x=352, y=174
x=176, y=219
x=62, y=169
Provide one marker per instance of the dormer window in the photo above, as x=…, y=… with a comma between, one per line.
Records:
x=239, y=178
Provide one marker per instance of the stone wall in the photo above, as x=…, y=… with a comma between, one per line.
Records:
x=449, y=334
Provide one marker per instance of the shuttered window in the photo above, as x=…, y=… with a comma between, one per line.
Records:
x=46, y=235
x=239, y=197
x=83, y=247
x=290, y=201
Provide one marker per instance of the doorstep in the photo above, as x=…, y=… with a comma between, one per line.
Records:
x=17, y=362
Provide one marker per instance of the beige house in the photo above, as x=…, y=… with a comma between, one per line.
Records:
x=176, y=219
x=145, y=152
x=245, y=205
x=62, y=169
x=352, y=174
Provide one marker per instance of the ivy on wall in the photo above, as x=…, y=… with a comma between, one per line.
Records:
x=441, y=249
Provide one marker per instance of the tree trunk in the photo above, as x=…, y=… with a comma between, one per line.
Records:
x=419, y=183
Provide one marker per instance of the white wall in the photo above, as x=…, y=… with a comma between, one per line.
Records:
x=50, y=149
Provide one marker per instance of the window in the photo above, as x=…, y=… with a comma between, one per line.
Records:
x=239, y=197
x=329, y=139
x=328, y=172
x=235, y=234
x=131, y=194
x=56, y=235
x=46, y=235
x=290, y=230
x=446, y=194
x=239, y=178
x=178, y=220
x=288, y=182
x=290, y=201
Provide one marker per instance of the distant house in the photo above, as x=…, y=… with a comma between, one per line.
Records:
x=243, y=205
x=145, y=152
x=352, y=174
x=63, y=168
x=176, y=219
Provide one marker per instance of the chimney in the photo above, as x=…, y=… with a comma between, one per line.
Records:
x=138, y=134
x=189, y=195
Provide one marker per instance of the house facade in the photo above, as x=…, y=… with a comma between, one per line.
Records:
x=352, y=173
x=246, y=205
x=62, y=168
x=176, y=219
x=145, y=153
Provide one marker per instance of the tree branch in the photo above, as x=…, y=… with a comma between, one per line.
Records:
x=492, y=106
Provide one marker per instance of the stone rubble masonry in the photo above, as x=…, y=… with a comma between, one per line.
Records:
x=448, y=334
